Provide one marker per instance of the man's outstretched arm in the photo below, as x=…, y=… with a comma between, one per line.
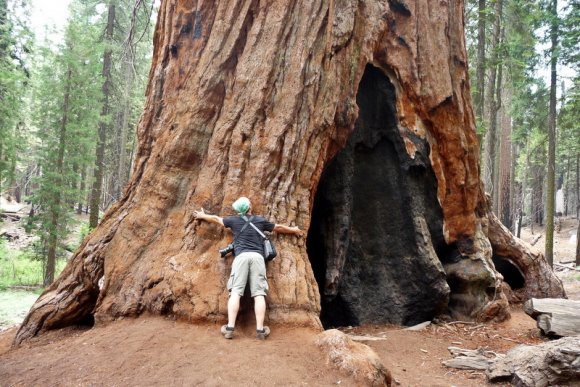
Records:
x=201, y=215
x=288, y=230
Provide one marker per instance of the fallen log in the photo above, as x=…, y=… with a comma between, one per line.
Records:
x=565, y=262
x=566, y=267
x=548, y=364
x=25, y=287
x=12, y=216
x=555, y=316
x=8, y=235
x=535, y=240
x=558, y=325
x=471, y=359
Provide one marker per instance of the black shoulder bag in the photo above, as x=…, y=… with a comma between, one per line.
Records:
x=269, y=248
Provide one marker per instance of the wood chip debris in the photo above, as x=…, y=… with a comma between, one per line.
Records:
x=418, y=327
x=366, y=338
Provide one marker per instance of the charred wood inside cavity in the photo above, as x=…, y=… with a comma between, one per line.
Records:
x=376, y=222
x=511, y=273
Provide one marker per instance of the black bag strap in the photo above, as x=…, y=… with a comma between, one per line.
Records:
x=255, y=228
x=248, y=221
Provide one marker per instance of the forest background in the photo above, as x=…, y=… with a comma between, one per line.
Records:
x=70, y=101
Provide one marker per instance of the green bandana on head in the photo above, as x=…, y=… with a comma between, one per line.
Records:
x=242, y=205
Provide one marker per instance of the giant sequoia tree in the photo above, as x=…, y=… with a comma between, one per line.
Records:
x=351, y=119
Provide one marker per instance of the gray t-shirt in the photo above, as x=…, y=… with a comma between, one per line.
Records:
x=249, y=240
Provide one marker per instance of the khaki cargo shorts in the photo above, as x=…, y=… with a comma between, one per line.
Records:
x=248, y=266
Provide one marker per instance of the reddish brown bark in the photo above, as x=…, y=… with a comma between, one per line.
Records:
x=255, y=99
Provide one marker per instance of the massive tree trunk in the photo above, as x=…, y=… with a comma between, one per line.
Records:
x=263, y=100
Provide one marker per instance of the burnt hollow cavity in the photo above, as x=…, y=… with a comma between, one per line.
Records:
x=510, y=271
x=376, y=226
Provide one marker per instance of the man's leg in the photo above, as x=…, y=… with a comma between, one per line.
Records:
x=236, y=286
x=260, y=310
x=233, y=308
x=259, y=289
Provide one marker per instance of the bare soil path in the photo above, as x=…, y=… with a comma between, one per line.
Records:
x=157, y=351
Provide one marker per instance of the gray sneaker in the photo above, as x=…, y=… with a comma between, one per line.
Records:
x=227, y=331
x=261, y=335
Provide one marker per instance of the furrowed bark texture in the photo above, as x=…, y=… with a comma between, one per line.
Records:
x=254, y=99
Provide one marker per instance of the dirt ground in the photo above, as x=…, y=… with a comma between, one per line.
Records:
x=157, y=351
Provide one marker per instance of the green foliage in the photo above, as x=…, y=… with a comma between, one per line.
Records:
x=14, y=305
x=571, y=35
x=21, y=268
x=15, y=41
x=524, y=55
x=569, y=133
x=66, y=109
x=569, y=139
x=131, y=56
x=67, y=106
x=84, y=231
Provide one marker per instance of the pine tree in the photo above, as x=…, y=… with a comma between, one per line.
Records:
x=493, y=103
x=126, y=58
x=65, y=114
x=131, y=64
x=568, y=150
x=99, y=169
x=15, y=42
x=551, y=175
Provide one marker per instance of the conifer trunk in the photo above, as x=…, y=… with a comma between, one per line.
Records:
x=578, y=186
x=3, y=53
x=494, y=102
x=82, y=192
x=578, y=246
x=480, y=65
x=55, y=203
x=97, y=189
x=505, y=163
x=567, y=186
x=551, y=175
x=254, y=99
x=120, y=173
